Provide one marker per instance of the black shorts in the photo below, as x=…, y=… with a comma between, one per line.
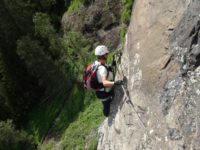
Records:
x=104, y=95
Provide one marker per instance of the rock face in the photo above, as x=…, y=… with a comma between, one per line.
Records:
x=99, y=22
x=159, y=106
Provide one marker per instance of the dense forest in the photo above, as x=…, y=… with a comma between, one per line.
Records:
x=41, y=67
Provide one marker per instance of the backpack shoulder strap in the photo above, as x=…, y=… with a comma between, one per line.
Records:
x=102, y=64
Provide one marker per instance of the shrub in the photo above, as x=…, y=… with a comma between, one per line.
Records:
x=12, y=139
x=127, y=9
x=126, y=16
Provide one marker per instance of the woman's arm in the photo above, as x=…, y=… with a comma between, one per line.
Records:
x=106, y=83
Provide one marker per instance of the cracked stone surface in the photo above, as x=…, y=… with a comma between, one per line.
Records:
x=158, y=107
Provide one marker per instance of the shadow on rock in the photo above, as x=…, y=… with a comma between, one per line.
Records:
x=118, y=100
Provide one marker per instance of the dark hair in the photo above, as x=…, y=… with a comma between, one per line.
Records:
x=101, y=57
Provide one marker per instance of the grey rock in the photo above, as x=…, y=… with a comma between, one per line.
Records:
x=174, y=134
x=99, y=23
x=161, y=61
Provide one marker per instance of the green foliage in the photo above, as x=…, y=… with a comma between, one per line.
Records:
x=32, y=53
x=50, y=64
x=46, y=4
x=4, y=82
x=75, y=5
x=48, y=111
x=19, y=16
x=59, y=112
x=83, y=132
x=12, y=139
x=78, y=101
x=43, y=25
x=79, y=132
x=79, y=49
x=53, y=68
x=58, y=58
x=21, y=85
x=51, y=78
x=54, y=45
x=17, y=87
x=39, y=71
x=126, y=16
x=127, y=9
x=123, y=33
x=47, y=146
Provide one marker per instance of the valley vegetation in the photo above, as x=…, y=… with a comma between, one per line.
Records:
x=42, y=100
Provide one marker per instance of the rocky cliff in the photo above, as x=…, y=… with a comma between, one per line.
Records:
x=99, y=22
x=158, y=107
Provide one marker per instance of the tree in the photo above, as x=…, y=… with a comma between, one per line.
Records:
x=20, y=88
x=12, y=139
x=79, y=49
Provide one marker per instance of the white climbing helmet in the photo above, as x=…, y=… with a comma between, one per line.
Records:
x=101, y=50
